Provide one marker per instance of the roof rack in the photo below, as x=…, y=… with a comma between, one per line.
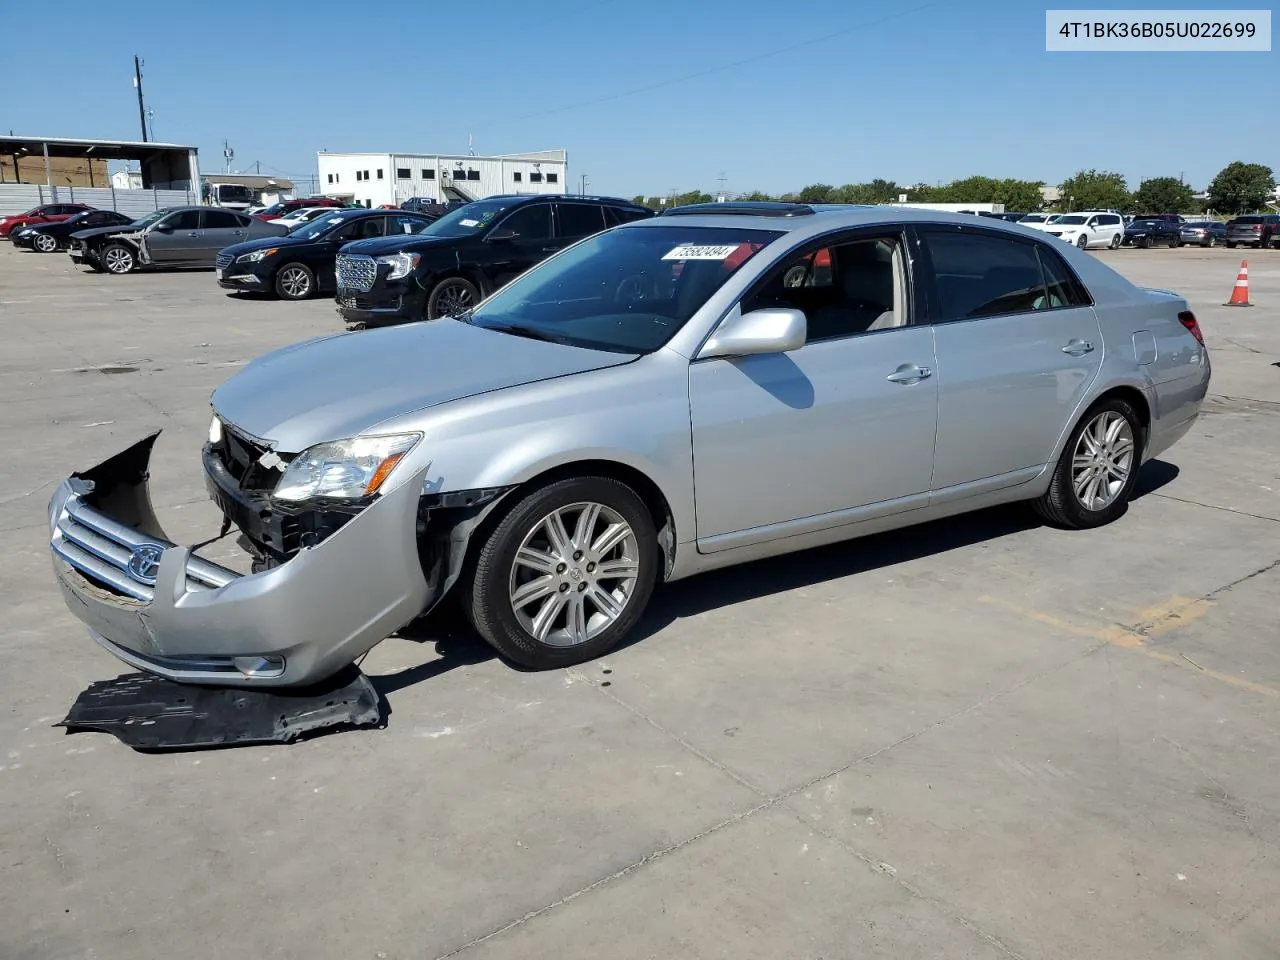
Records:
x=747, y=208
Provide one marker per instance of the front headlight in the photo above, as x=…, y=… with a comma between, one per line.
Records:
x=257, y=255
x=344, y=468
x=401, y=264
x=215, y=430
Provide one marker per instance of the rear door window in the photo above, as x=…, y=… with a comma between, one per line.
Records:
x=980, y=275
x=575, y=220
x=220, y=220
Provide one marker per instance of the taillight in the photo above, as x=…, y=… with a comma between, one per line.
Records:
x=1188, y=320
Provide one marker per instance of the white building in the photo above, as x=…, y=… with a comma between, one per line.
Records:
x=127, y=180
x=374, y=179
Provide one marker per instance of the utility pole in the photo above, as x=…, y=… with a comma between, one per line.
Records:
x=257, y=167
x=137, y=82
x=583, y=180
x=721, y=180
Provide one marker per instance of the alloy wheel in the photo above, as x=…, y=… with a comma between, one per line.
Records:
x=45, y=243
x=1102, y=460
x=295, y=282
x=574, y=574
x=454, y=299
x=119, y=260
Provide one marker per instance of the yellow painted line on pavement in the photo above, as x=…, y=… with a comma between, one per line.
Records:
x=1156, y=620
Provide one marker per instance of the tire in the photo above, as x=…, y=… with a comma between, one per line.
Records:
x=1175, y=242
x=44, y=243
x=1083, y=242
x=450, y=297
x=1230, y=245
x=118, y=259
x=295, y=281
x=1116, y=240
x=1061, y=505
x=490, y=592
x=1145, y=243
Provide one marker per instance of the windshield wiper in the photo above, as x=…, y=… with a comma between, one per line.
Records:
x=518, y=331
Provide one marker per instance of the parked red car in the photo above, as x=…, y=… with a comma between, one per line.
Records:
x=46, y=213
x=286, y=207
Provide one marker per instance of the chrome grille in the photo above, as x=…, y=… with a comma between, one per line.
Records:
x=101, y=549
x=356, y=272
x=223, y=261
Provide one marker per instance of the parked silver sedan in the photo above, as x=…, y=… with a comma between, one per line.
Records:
x=704, y=388
x=171, y=237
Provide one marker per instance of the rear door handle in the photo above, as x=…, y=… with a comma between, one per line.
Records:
x=909, y=373
x=1077, y=348
x=193, y=233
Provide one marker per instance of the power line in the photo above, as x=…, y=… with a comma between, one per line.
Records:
x=729, y=66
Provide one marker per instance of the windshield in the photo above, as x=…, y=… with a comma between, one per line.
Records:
x=234, y=193
x=152, y=217
x=1070, y=219
x=626, y=291
x=1033, y=218
x=275, y=209
x=468, y=219
x=318, y=227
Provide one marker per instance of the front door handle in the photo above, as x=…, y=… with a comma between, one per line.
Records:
x=909, y=373
x=1077, y=348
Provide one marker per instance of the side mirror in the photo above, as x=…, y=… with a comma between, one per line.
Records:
x=502, y=234
x=770, y=330
x=164, y=228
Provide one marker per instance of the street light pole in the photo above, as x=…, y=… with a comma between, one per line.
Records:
x=583, y=180
x=137, y=82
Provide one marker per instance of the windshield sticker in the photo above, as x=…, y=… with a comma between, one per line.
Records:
x=468, y=223
x=692, y=251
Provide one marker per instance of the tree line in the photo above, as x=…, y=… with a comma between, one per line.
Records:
x=1238, y=188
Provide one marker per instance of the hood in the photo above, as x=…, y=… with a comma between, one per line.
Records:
x=102, y=231
x=1146, y=226
x=339, y=386
x=381, y=246
x=264, y=243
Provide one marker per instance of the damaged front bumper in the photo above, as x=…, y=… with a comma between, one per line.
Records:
x=161, y=609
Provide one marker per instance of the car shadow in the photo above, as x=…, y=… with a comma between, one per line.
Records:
x=458, y=646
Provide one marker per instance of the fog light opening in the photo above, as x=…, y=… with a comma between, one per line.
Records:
x=260, y=666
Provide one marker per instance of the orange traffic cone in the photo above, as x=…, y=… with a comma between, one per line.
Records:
x=1240, y=293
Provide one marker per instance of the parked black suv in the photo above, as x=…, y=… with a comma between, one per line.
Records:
x=1149, y=231
x=300, y=265
x=1253, y=230
x=466, y=255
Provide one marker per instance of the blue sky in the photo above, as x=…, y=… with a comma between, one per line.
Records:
x=910, y=90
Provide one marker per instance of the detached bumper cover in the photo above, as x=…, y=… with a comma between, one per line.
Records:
x=161, y=609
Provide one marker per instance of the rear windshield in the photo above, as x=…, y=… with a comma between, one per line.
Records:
x=1248, y=219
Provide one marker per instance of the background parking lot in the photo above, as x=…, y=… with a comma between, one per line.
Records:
x=977, y=738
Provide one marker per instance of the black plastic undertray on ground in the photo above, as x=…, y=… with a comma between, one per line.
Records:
x=151, y=713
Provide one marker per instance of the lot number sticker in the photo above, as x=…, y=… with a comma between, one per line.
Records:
x=690, y=251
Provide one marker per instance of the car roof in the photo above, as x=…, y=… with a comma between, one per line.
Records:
x=819, y=218
x=562, y=198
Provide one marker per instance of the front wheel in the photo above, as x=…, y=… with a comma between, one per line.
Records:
x=295, y=281
x=118, y=259
x=1098, y=468
x=45, y=243
x=1230, y=245
x=1083, y=242
x=566, y=575
x=1175, y=242
x=451, y=297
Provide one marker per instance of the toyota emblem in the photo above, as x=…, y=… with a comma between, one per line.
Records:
x=144, y=563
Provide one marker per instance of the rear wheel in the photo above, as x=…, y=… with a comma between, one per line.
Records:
x=1098, y=468
x=117, y=258
x=566, y=574
x=44, y=243
x=295, y=281
x=1115, y=241
x=1230, y=245
x=451, y=297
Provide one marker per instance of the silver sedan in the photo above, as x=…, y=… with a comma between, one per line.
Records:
x=704, y=388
